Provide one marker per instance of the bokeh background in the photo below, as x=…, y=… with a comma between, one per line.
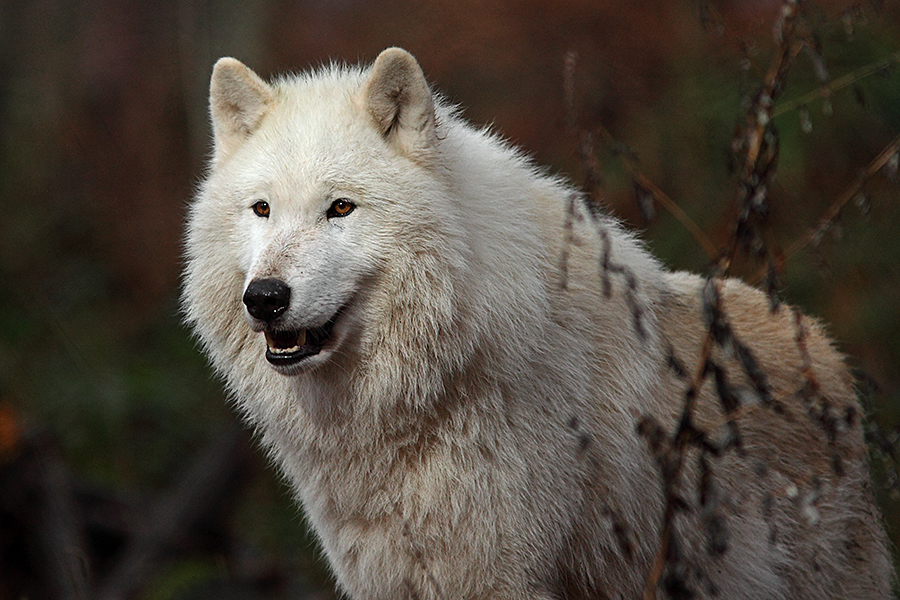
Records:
x=123, y=471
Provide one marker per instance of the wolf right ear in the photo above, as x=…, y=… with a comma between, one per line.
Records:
x=238, y=100
x=399, y=99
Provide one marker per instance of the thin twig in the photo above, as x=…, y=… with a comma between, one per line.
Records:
x=660, y=196
x=672, y=472
x=837, y=84
x=588, y=160
x=759, y=118
x=834, y=210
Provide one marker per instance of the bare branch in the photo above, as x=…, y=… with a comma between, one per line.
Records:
x=883, y=160
x=825, y=91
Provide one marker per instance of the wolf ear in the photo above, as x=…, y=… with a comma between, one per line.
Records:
x=238, y=100
x=399, y=99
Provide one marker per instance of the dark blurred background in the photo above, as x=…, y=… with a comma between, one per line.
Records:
x=123, y=471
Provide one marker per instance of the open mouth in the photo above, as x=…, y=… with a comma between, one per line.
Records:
x=291, y=346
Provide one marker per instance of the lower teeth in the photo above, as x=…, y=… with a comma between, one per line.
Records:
x=284, y=350
x=277, y=349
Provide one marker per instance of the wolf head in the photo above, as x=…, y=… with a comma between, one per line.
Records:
x=327, y=235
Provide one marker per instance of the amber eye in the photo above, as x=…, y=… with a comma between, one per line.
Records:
x=261, y=208
x=340, y=208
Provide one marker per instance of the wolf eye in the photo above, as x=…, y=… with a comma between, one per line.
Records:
x=261, y=208
x=340, y=208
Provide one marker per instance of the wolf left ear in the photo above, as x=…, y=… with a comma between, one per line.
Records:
x=399, y=99
x=238, y=101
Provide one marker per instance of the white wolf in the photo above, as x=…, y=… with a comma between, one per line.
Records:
x=447, y=357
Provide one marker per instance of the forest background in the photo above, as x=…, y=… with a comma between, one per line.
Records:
x=116, y=441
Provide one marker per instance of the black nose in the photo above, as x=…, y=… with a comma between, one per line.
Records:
x=265, y=299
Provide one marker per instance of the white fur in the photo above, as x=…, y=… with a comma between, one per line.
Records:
x=469, y=429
